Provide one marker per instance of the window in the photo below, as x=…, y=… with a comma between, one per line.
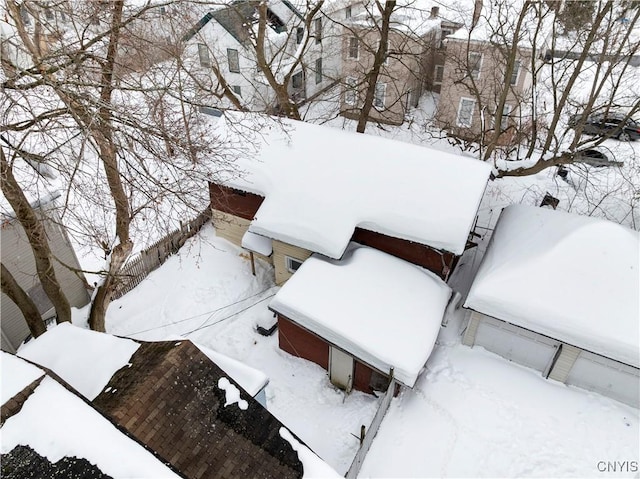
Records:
x=237, y=90
x=318, y=70
x=438, y=74
x=203, y=53
x=292, y=264
x=378, y=99
x=386, y=54
x=24, y=14
x=296, y=81
x=347, y=12
x=475, y=61
x=299, y=35
x=234, y=60
x=465, y=112
x=48, y=14
x=350, y=92
x=516, y=72
x=443, y=34
x=506, y=111
x=354, y=46
x=318, y=32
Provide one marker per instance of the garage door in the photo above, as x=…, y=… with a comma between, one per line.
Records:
x=606, y=376
x=516, y=344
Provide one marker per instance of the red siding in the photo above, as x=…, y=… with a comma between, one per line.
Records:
x=300, y=342
x=235, y=202
x=440, y=263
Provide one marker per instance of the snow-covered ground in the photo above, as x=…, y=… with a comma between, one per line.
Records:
x=471, y=413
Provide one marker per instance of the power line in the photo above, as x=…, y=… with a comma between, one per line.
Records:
x=210, y=313
x=230, y=316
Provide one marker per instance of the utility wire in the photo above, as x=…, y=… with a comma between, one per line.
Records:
x=210, y=313
x=230, y=316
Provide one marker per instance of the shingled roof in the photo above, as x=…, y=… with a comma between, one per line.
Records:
x=170, y=400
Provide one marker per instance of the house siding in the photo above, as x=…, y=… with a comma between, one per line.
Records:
x=566, y=363
x=302, y=343
x=17, y=256
x=280, y=251
x=440, y=263
x=232, y=228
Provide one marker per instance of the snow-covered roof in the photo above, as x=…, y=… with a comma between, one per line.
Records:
x=574, y=278
x=85, y=359
x=320, y=183
x=56, y=424
x=378, y=308
x=16, y=375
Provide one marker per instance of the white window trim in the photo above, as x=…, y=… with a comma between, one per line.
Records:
x=350, y=89
x=384, y=96
x=458, y=122
x=288, y=263
x=479, y=65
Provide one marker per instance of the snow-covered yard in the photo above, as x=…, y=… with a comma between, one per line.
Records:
x=471, y=413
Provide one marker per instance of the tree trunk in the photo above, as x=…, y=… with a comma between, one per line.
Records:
x=27, y=307
x=381, y=53
x=37, y=237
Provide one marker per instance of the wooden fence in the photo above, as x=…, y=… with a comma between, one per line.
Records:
x=139, y=267
x=366, y=442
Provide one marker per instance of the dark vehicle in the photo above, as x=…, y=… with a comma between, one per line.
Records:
x=611, y=126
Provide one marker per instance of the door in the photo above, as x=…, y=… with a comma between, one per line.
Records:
x=341, y=367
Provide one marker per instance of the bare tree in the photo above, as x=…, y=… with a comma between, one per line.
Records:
x=27, y=307
x=123, y=139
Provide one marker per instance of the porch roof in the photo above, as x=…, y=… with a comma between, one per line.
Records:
x=378, y=308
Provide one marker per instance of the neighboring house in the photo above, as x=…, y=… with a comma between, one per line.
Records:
x=311, y=189
x=168, y=396
x=560, y=293
x=223, y=39
x=17, y=256
x=477, y=58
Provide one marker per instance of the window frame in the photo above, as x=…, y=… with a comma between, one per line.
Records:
x=475, y=72
x=299, y=35
x=288, y=263
x=318, y=30
x=237, y=89
x=377, y=104
x=350, y=92
x=318, y=70
x=203, y=55
x=295, y=76
x=506, y=115
x=236, y=62
x=350, y=48
x=437, y=68
x=347, y=12
x=514, y=81
x=473, y=107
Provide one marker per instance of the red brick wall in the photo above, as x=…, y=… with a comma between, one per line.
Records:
x=415, y=253
x=238, y=203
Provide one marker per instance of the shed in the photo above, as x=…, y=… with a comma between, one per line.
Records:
x=363, y=318
x=560, y=293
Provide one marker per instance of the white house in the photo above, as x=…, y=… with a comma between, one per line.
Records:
x=224, y=40
x=560, y=293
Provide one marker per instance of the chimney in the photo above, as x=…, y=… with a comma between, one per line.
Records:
x=477, y=10
x=434, y=12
